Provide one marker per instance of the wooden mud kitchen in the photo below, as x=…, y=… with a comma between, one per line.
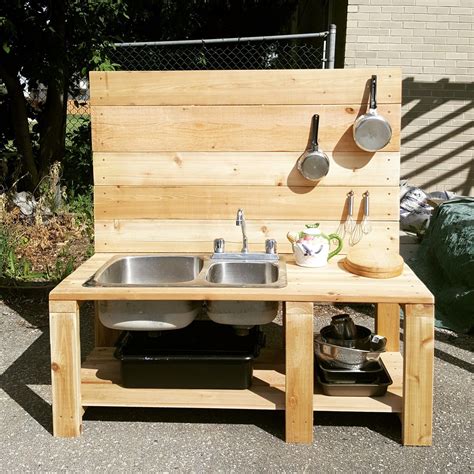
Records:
x=175, y=155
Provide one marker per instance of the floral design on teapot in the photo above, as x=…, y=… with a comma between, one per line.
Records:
x=311, y=247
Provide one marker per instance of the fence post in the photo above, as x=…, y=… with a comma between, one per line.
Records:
x=331, y=46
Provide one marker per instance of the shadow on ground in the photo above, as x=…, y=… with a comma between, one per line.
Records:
x=32, y=368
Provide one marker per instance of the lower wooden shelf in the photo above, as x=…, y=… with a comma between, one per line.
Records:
x=100, y=386
x=391, y=402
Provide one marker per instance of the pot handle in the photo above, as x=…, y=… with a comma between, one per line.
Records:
x=373, y=92
x=339, y=245
x=378, y=343
x=372, y=356
x=314, y=139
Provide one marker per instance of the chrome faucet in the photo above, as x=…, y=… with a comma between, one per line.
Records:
x=270, y=254
x=240, y=221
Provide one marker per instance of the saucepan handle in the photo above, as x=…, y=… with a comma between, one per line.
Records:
x=373, y=92
x=314, y=139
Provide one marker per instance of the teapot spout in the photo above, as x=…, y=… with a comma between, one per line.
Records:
x=293, y=237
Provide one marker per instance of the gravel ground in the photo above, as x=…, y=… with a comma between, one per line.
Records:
x=184, y=440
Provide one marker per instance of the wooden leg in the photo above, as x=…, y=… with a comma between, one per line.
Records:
x=104, y=336
x=283, y=317
x=387, y=323
x=299, y=372
x=418, y=375
x=65, y=368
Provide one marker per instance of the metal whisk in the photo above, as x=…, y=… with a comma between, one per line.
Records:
x=349, y=224
x=356, y=235
x=366, y=225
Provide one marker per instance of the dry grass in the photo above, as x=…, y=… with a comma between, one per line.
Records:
x=50, y=247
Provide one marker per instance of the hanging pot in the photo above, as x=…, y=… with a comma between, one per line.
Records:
x=313, y=164
x=372, y=131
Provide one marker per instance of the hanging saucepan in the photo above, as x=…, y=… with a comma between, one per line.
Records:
x=313, y=164
x=372, y=131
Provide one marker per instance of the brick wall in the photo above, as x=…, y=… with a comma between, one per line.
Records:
x=433, y=42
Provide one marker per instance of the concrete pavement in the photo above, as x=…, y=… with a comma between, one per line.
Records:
x=165, y=440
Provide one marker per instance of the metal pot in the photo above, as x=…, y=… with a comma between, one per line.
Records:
x=372, y=131
x=362, y=339
x=349, y=358
x=343, y=327
x=313, y=164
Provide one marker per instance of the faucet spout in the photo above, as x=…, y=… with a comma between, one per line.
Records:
x=240, y=221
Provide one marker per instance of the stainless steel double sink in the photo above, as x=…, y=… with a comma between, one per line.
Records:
x=133, y=271
x=188, y=271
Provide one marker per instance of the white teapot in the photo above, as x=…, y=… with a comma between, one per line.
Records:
x=311, y=247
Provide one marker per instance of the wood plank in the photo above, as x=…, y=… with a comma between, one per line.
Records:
x=169, y=235
x=101, y=387
x=241, y=168
x=224, y=128
x=65, y=372
x=391, y=402
x=387, y=323
x=299, y=372
x=258, y=398
x=330, y=283
x=259, y=202
x=418, y=338
x=294, y=86
x=62, y=306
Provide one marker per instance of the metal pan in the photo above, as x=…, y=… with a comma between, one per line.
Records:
x=372, y=131
x=313, y=164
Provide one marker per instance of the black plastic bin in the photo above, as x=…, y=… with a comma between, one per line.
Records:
x=202, y=355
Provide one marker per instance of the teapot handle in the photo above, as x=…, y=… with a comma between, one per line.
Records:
x=339, y=245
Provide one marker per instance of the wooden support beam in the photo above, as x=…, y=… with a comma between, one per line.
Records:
x=387, y=323
x=66, y=369
x=299, y=372
x=418, y=375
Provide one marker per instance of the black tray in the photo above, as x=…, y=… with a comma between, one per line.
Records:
x=202, y=355
x=367, y=375
x=376, y=389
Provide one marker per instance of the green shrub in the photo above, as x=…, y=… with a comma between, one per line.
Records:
x=77, y=164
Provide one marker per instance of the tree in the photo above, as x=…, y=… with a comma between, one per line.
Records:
x=152, y=20
x=50, y=44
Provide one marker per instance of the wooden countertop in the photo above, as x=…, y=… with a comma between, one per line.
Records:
x=331, y=283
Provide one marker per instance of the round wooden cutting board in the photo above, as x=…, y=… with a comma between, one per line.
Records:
x=374, y=263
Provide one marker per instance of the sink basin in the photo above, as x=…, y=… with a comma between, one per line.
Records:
x=148, y=270
x=148, y=315
x=244, y=273
x=242, y=315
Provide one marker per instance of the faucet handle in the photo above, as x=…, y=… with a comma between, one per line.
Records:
x=271, y=246
x=219, y=245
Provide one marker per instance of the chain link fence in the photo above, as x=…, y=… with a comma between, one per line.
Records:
x=305, y=51
x=286, y=52
x=78, y=113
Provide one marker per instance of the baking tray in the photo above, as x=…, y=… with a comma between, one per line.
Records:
x=333, y=374
x=377, y=389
